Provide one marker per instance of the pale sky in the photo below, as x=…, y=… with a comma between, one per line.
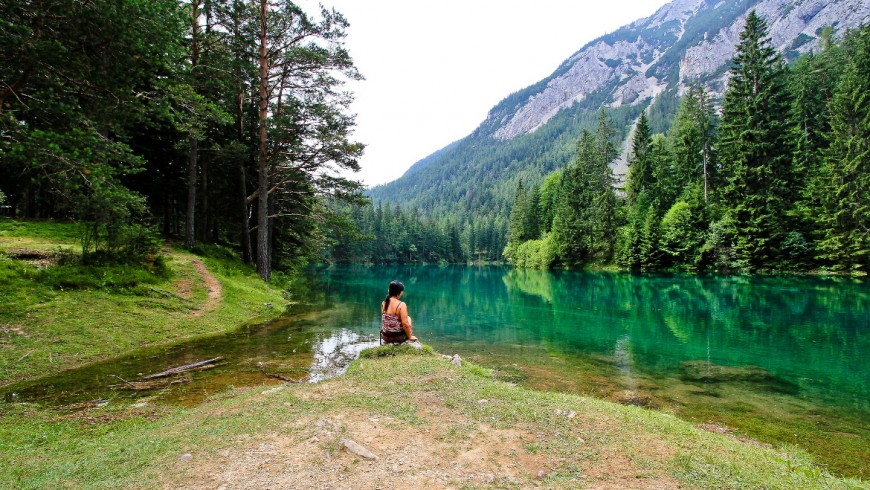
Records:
x=434, y=69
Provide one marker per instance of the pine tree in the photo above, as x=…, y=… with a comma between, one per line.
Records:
x=845, y=215
x=640, y=174
x=549, y=197
x=665, y=176
x=572, y=225
x=516, y=234
x=603, y=182
x=532, y=215
x=585, y=220
x=691, y=139
x=755, y=149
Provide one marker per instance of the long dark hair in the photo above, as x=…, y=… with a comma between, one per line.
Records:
x=396, y=287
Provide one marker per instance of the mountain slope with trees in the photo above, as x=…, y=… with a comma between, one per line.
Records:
x=771, y=185
x=648, y=65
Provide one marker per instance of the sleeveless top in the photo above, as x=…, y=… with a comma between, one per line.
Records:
x=391, y=327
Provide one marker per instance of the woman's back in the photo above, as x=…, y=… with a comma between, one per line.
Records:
x=395, y=324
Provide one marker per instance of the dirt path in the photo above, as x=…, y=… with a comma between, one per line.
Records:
x=184, y=287
x=215, y=291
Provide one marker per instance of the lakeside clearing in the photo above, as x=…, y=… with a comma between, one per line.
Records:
x=429, y=422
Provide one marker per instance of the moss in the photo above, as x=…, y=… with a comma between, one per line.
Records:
x=396, y=350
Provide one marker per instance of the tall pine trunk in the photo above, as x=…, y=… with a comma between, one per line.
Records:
x=205, y=220
x=189, y=235
x=189, y=238
x=247, y=253
x=264, y=263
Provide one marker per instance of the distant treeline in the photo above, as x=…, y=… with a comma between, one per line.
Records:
x=385, y=235
x=778, y=182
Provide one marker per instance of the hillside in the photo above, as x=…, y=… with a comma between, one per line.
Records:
x=645, y=64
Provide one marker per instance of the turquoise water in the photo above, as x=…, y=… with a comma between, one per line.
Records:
x=778, y=360
x=809, y=334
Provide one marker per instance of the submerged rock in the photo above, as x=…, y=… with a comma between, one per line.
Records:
x=629, y=397
x=715, y=373
x=707, y=372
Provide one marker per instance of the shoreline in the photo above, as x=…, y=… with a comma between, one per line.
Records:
x=427, y=421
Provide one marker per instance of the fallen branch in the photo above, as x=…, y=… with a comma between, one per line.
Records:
x=25, y=355
x=285, y=378
x=122, y=379
x=150, y=385
x=185, y=368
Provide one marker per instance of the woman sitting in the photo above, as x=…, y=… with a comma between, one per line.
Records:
x=396, y=324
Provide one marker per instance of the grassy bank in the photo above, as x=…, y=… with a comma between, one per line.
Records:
x=56, y=313
x=429, y=422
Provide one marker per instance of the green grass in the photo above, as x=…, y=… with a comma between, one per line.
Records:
x=55, y=316
x=39, y=234
x=133, y=448
x=395, y=350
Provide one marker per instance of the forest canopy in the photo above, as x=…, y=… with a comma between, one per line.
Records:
x=214, y=120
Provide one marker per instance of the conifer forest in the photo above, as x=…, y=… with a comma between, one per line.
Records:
x=220, y=121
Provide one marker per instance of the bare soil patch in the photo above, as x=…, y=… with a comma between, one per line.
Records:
x=41, y=259
x=446, y=448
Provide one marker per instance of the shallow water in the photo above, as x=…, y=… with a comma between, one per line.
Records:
x=781, y=360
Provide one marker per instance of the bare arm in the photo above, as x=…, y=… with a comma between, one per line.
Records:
x=406, y=321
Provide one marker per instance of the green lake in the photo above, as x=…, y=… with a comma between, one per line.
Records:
x=779, y=360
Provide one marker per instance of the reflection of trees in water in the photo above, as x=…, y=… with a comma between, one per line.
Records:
x=805, y=327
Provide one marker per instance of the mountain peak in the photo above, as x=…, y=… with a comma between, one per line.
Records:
x=534, y=130
x=683, y=42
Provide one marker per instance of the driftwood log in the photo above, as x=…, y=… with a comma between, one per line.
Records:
x=150, y=385
x=285, y=378
x=196, y=366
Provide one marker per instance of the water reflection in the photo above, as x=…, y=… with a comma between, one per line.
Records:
x=811, y=331
x=779, y=358
x=309, y=343
x=333, y=354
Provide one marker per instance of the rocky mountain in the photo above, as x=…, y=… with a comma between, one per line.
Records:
x=645, y=65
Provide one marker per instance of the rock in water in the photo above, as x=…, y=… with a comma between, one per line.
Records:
x=354, y=447
x=456, y=360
